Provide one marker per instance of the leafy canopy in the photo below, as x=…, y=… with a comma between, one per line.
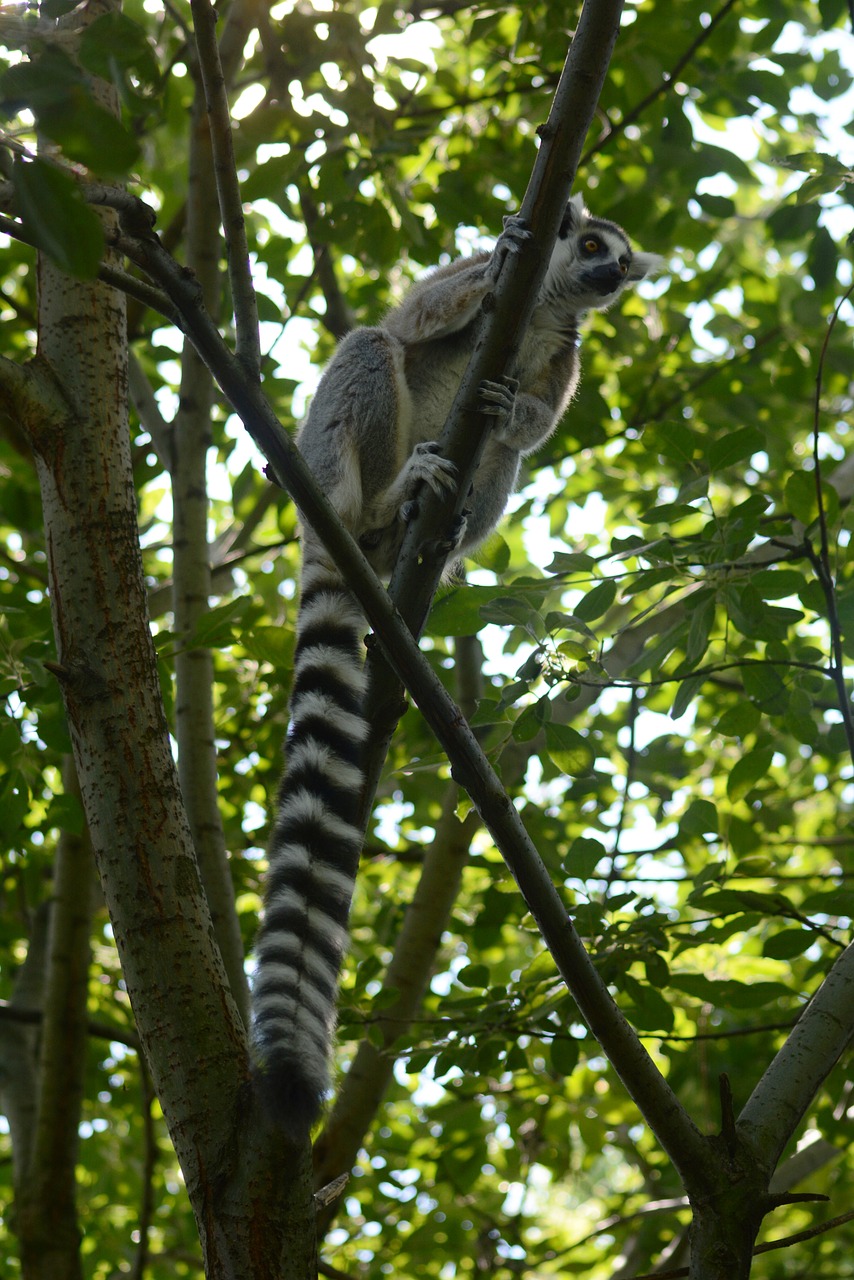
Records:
x=668, y=614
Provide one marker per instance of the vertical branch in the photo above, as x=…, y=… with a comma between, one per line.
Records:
x=228, y=190
x=19, y=1048
x=106, y=666
x=47, y=1202
x=194, y=672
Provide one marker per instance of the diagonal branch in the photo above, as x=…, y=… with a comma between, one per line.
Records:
x=777, y=1104
x=414, y=582
x=656, y=1100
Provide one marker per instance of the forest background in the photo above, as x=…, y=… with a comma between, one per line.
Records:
x=655, y=651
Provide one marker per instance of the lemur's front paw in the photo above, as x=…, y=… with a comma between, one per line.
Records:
x=499, y=400
x=453, y=538
x=516, y=233
x=426, y=463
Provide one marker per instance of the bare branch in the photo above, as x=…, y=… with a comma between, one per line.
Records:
x=228, y=189
x=777, y=1104
x=148, y=410
x=338, y=317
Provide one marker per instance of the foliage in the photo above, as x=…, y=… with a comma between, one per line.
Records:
x=668, y=618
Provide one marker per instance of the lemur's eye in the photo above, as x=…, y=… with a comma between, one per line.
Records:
x=624, y=266
x=591, y=245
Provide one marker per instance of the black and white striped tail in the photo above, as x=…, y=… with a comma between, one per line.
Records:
x=313, y=853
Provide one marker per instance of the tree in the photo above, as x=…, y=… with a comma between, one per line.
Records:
x=665, y=616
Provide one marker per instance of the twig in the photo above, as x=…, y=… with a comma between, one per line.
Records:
x=152, y=420
x=228, y=190
x=821, y=563
x=143, y=292
x=102, y=1030
x=338, y=318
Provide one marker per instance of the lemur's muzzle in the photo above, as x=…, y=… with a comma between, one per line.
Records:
x=604, y=279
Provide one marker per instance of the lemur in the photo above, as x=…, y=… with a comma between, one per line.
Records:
x=369, y=438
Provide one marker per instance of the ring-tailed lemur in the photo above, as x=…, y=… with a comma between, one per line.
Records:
x=369, y=439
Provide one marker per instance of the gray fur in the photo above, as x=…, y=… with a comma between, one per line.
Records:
x=369, y=439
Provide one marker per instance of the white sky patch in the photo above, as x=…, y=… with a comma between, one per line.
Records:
x=251, y=97
x=413, y=44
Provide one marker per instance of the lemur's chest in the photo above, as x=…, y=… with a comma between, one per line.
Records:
x=435, y=369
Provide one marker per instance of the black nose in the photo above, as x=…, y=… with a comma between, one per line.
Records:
x=605, y=278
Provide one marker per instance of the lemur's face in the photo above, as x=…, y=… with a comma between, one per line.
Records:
x=593, y=261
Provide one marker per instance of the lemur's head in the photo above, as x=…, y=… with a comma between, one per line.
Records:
x=593, y=261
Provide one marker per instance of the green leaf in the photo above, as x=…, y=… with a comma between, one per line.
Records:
x=563, y=1054
x=91, y=136
x=115, y=43
x=14, y=802
x=47, y=81
x=652, y=1011
x=747, y=771
x=777, y=584
x=514, y=611
x=801, y=496
x=57, y=92
x=702, y=621
x=755, y=995
x=217, y=627
x=734, y=447
x=571, y=753
x=584, y=856
x=458, y=613
x=567, y=562
x=530, y=720
x=823, y=258
x=739, y=721
x=700, y=818
x=57, y=217
x=474, y=976
x=274, y=645
x=57, y=8
x=787, y=944
x=835, y=902
x=657, y=970
x=675, y=440
x=764, y=685
x=813, y=162
x=596, y=602
x=743, y=836
x=668, y=513
x=685, y=694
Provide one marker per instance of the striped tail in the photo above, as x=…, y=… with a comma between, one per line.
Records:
x=313, y=853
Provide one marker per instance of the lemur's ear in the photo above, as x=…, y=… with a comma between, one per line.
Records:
x=573, y=216
x=643, y=265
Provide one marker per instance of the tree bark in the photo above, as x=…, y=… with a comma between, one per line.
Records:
x=46, y=1199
